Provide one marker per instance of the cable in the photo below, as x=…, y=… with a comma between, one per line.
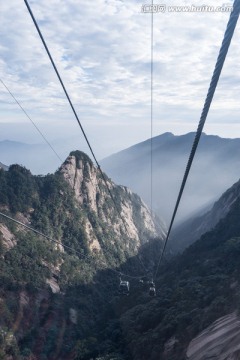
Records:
x=151, y=116
x=77, y=118
x=43, y=136
x=151, y=180
x=213, y=85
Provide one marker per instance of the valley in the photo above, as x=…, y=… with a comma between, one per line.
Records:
x=59, y=305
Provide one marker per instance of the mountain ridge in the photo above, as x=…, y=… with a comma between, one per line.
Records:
x=214, y=169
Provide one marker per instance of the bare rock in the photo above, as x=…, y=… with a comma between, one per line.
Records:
x=220, y=341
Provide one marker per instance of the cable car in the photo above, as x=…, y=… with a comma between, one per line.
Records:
x=152, y=289
x=124, y=287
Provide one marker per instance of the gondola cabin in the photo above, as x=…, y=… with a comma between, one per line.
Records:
x=152, y=289
x=124, y=288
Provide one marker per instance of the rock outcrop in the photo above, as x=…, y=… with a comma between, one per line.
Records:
x=128, y=217
x=220, y=341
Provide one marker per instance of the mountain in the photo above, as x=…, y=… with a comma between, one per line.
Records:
x=52, y=298
x=4, y=167
x=100, y=217
x=59, y=304
x=191, y=230
x=33, y=156
x=91, y=192
x=215, y=168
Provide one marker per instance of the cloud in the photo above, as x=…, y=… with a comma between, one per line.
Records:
x=102, y=50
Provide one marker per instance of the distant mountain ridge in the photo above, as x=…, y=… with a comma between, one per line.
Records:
x=215, y=168
x=15, y=152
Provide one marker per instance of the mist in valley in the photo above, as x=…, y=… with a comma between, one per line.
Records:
x=215, y=168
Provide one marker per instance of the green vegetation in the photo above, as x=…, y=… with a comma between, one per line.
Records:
x=87, y=319
x=194, y=290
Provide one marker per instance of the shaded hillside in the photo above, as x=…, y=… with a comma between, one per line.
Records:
x=192, y=229
x=195, y=289
x=215, y=168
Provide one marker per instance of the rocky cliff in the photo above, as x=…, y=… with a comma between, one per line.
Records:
x=129, y=218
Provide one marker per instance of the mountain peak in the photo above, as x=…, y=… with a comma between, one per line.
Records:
x=167, y=134
x=4, y=167
x=91, y=192
x=79, y=155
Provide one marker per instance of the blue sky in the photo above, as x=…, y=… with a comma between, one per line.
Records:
x=102, y=50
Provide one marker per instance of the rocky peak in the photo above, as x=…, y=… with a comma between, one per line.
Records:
x=79, y=171
x=92, y=194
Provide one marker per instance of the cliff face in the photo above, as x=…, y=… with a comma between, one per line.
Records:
x=136, y=224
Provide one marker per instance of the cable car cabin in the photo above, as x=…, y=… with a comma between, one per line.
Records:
x=124, y=288
x=152, y=289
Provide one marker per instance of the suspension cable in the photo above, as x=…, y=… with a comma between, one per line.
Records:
x=213, y=85
x=151, y=143
x=36, y=127
x=79, y=123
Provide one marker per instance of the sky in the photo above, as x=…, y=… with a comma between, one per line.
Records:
x=102, y=49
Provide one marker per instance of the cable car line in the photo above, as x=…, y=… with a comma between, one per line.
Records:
x=151, y=143
x=37, y=128
x=79, y=123
x=213, y=85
